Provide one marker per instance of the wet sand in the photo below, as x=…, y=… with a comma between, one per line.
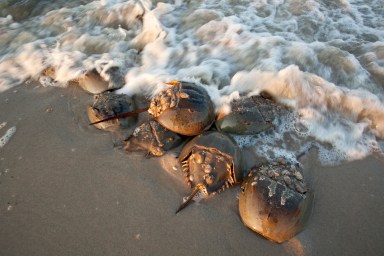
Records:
x=66, y=189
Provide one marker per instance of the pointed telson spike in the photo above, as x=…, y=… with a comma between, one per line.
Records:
x=190, y=197
x=127, y=114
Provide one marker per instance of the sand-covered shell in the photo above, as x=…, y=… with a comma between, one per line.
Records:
x=275, y=202
x=184, y=108
x=109, y=104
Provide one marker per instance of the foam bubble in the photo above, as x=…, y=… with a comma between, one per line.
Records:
x=7, y=136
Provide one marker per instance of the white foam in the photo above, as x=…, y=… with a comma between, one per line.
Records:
x=7, y=136
x=335, y=139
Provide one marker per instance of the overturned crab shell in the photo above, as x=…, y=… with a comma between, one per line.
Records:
x=184, y=108
x=250, y=115
x=274, y=203
x=212, y=160
x=153, y=138
x=108, y=105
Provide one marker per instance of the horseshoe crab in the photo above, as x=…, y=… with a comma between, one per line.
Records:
x=211, y=163
x=184, y=108
x=275, y=201
x=154, y=138
x=250, y=115
x=107, y=105
x=91, y=81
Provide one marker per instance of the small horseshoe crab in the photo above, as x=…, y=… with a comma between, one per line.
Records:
x=184, y=108
x=154, y=138
x=108, y=105
x=211, y=163
x=275, y=201
x=250, y=115
x=90, y=81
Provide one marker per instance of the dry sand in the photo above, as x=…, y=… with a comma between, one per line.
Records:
x=65, y=189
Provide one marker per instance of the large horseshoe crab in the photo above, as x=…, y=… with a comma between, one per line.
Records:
x=250, y=115
x=275, y=201
x=184, y=108
x=211, y=163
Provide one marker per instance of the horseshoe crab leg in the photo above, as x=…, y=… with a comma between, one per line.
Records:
x=190, y=197
x=127, y=114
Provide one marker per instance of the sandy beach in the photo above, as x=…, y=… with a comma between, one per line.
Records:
x=66, y=189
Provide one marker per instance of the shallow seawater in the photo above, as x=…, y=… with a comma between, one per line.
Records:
x=324, y=59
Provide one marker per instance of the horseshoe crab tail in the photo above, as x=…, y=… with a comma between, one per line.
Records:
x=127, y=114
x=190, y=197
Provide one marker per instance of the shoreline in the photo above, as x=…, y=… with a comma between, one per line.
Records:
x=69, y=191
